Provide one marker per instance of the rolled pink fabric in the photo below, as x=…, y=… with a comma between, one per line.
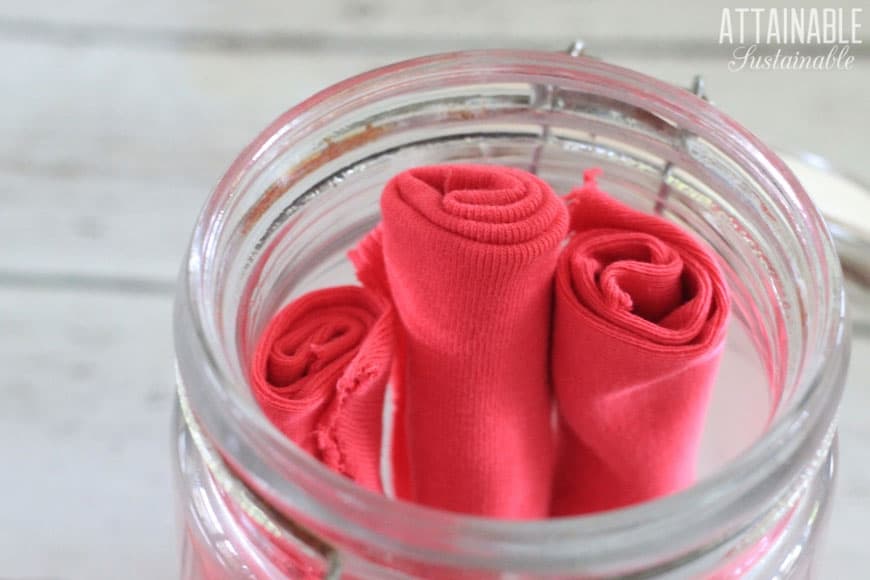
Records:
x=638, y=332
x=320, y=373
x=468, y=254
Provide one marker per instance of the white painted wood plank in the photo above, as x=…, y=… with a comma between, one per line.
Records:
x=95, y=226
x=86, y=392
x=109, y=152
x=108, y=155
x=84, y=437
x=374, y=23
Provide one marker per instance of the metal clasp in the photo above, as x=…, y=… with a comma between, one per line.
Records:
x=544, y=100
x=698, y=87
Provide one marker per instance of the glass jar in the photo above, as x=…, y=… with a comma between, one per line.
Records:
x=306, y=190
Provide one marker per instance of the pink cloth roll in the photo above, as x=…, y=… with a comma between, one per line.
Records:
x=638, y=332
x=320, y=373
x=468, y=254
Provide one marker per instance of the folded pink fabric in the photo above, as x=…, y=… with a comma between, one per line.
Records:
x=320, y=372
x=638, y=331
x=468, y=254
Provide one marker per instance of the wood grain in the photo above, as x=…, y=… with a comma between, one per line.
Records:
x=86, y=394
x=108, y=153
x=117, y=120
x=452, y=22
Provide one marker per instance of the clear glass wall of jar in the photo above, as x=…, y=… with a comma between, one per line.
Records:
x=251, y=505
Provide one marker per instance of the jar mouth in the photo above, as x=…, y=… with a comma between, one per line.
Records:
x=750, y=486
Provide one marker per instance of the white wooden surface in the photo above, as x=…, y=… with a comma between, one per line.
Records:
x=116, y=120
x=382, y=23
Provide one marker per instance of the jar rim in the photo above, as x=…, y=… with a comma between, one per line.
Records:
x=738, y=488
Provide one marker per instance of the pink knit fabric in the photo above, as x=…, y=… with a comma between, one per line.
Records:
x=458, y=304
x=320, y=373
x=468, y=254
x=638, y=332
